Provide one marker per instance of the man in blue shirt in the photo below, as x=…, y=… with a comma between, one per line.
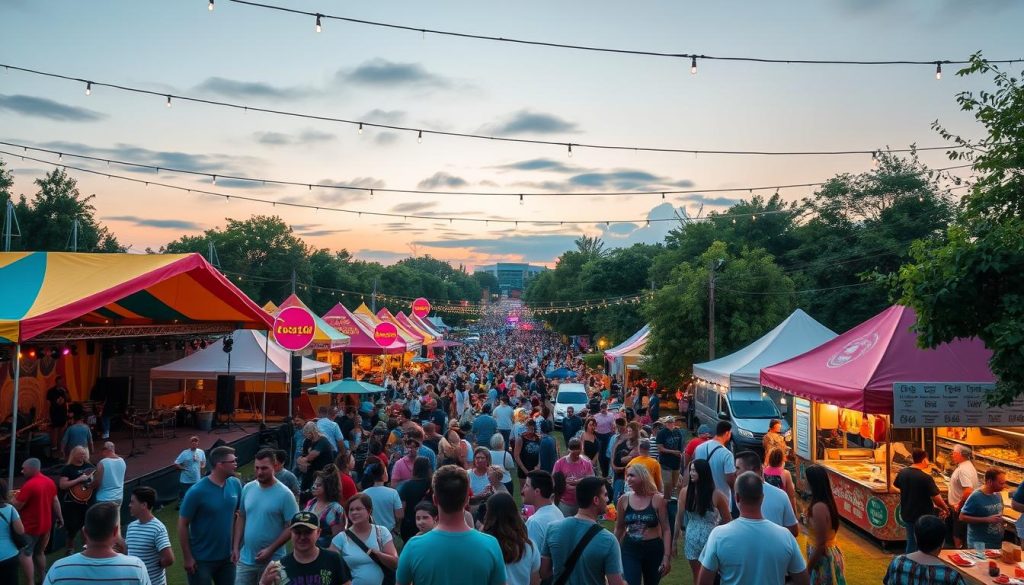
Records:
x=548, y=448
x=207, y=518
x=983, y=511
x=484, y=427
x=263, y=524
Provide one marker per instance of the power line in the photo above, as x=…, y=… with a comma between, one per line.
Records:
x=692, y=57
x=310, y=185
x=403, y=216
x=420, y=132
x=794, y=292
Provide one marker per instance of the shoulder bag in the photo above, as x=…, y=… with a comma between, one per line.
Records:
x=18, y=539
x=570, y=563
x=389, y=574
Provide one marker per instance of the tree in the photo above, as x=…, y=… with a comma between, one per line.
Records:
x=590, y=247
x=970, y=281
x=754, y=297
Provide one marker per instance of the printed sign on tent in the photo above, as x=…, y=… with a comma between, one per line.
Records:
x=421, y=307
x=294, y=328
x=385, y=334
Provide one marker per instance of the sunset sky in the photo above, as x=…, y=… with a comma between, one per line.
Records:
x=257, y=57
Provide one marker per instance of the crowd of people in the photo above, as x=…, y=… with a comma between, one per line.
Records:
x=419, y=487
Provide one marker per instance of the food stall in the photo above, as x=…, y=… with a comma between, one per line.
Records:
x=864, y=400
x=366, y=354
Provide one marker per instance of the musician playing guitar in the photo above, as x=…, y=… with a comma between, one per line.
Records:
x=76, y=486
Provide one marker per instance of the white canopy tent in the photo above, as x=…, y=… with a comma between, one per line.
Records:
x=253, y=357
x=798, y=334
x=628, y=352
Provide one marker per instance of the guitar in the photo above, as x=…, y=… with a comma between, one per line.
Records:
x=82, y=492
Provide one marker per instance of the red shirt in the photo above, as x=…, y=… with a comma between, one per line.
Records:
x=692, y=446
x=37, y=496
x=348, y=487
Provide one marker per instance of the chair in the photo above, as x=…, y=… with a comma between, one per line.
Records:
x=162, y=422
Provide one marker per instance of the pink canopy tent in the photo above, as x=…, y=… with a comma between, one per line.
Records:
x=362, y=341
x=385, y=315
x=857, y=369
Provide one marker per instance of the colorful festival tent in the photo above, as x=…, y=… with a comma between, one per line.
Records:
x=857, y=369
x=361, y=336
x=631, y=348
x=253, y=358
x=326, y=338
x=742, y=369
x=422, y=338
x=415, y=327
x=412, y=343
x=425, y=325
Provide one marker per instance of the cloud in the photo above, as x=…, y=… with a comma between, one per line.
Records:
x=414, y=207
x=251, y=89
x=326, y=196
x=43, y=108
x=385, y=74
x=539, y=164
x=527, y=122
x=382, y=256
x=176, y=224
x=380, y=116
x=319, y=233
x=615, y=180
x=309, y=136
x=441, y=179
x=529, y=247
x=720, y=200
x=222, y=163
x=386, y=138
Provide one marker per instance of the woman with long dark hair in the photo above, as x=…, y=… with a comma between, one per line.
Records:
x=591, y=442
x=326, y=504
x=412, y=492
x=9, y=553
x=825, y=561
x=522, y=558
x=702, y=507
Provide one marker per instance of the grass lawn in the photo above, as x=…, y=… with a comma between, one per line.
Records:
x=865, y=562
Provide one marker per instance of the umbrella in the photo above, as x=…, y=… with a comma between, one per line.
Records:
x=421, y=360
x=445, y=343
x=561, y=373
x=348, y=386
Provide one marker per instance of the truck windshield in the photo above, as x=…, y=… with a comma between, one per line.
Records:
x=763, y=408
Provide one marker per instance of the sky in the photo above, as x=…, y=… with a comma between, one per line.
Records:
x=265, y=58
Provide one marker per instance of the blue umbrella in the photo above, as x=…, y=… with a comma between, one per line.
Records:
x=560, y=373
x=348, y=386
x=421, y=360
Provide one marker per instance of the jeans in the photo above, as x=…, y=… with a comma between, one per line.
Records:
x=209, y=572
x=248, y=574
x=602, y=454
x=911, y=539
x=505, y=435
x=641, y=561
x=618, y=487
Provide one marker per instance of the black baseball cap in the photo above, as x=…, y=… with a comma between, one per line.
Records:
x=306, y=519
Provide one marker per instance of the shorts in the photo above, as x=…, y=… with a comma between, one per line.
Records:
x=33, y=541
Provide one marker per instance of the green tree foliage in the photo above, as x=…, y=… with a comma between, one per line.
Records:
x=678, y=313
x=970, y=281
x=47, y=219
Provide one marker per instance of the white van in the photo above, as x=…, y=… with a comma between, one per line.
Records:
x=569, y=394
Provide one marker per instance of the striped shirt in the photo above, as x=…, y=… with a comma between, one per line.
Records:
x=79, y=569
x=905, y=571
x=145, y=542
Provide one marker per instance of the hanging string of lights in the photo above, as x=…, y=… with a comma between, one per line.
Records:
x=213, y=176
x=421, y=132
x=691, y=57
x=403, y=216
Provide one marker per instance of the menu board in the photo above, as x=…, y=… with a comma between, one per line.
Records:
x=802, y=427
x=942, y=404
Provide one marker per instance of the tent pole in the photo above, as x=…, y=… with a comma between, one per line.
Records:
x=266, y=358
x=151, y=393
x=14, y=418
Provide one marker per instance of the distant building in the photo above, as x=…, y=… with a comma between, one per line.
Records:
x=512, y=277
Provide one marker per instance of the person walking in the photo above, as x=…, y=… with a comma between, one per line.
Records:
x=420, y=562
x=9, y=553
x=503, y=417
x=522, y=557
x=774, y=439
x=924, y=567
x=283, y=475
x=643, y=530
x=776, y=474
x=527, y=451
x=77, y=435
x=99, y=562
x=413, y=492
x=703, y=435
x=326, y=505
x=386, y=501
x=76, y=481
x=919, y=496
x=503, y=459
x=317, y=453
x=146, y=537
x=307, y=564
x=751, y=549
x=538, y=490
x=192, y=463
x=109, y=477
x=591, y=443
x=578, y=550
x=702, y=507
x=962, y=482
x=644, y=458
x=58, y=398
x=605, y=427
x=484, y=427
x=825, y=561
x=983, y=511
x=776, y=505
x=206, y=522
x=548, y=452
x=720, y=458
x=330, y=430
x=367, y=548
x=262, y=526
x=38, y=505
x=572, y=424
x=625, y=448
x=670, y=455
x=574, y=467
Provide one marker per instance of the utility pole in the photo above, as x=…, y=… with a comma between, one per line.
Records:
x=10, y=224
x=715, y=264
x=293, y=282
x=211, y=254
x=373, y=296
x=74, y=235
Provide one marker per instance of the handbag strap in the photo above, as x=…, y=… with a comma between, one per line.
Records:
x=576, y=553
x=362, y=546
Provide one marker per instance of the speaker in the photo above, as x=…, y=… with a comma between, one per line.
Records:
x=226, y=395
x=296, y=378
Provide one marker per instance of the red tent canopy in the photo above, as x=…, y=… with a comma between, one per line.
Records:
x=362, y=342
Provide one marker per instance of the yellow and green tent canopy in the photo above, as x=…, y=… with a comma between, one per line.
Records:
x=326, y=337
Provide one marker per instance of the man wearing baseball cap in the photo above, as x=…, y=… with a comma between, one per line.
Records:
x=306, y=559
x=703, y=434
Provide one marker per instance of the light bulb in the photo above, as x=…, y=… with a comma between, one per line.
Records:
x=570, y=150
x=168, y=101
x=318, y=27
x=938, y=71
x=360, y=127
x=874, y=159
x=693, y=66
x=210, y=6
x=215, y=179
x=419, y=138
x=88, y=88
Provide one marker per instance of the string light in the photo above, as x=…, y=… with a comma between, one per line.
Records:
x=215, y=179
x=595, y=146
x=693, y=66
x=318, y=27
x=360, y=127
x=168, y=101
x=88, y=88
x=419, y=138
x=938, y=70
x=874, y=159
x=570, y=150
x=210, y=6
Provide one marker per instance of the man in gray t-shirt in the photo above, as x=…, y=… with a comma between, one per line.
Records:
x=601, y=560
